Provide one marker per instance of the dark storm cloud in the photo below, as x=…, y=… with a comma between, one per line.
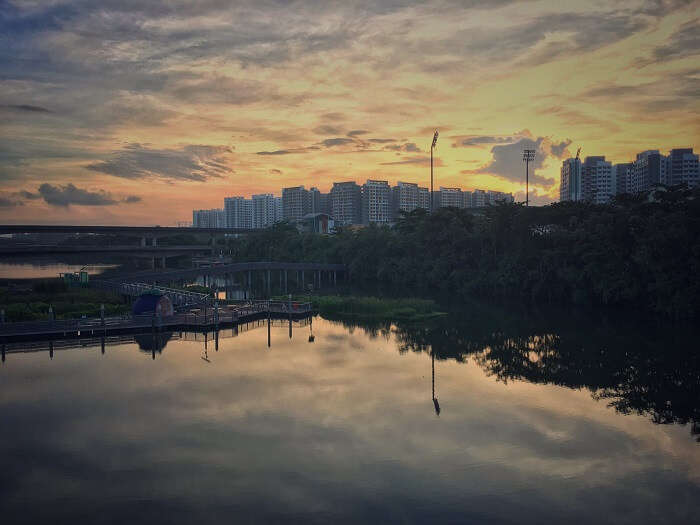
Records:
x=189, y=163
x=507, y=161
x=8, y=201
x=70, y=195
x=28, y=195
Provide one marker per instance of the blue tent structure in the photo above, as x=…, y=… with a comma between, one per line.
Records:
x=153, y=302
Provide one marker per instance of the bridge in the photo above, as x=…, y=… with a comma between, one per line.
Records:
x=247, y=273
x=135, y=231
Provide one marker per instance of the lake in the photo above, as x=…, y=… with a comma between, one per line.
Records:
x=484, y=416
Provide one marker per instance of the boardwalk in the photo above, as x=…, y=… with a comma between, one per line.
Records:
x=201, y=319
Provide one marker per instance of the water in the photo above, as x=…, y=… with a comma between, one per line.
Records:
x=43, y=269
x=540, y=421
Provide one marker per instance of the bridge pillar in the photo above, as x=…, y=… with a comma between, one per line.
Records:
x=154, y=242
x=335, y=281
x=162, y=260
x=143, y=242
x=302, y=280
x=153, y=262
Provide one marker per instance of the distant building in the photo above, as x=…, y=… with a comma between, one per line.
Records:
x=478, y=199
x=315, y=223
x=683, y=168
x=279, y=215
x=238, y=212
x=648, y=170
x=450, y=197
x=596, y=180
x=208, y=218
x=467, y=198
x=346, y=203
x=423, y=198
x=570, y=182
x=493, y=197
x=264, y=210
x=621, y=174
x=296, y=202
x=376, y=202
x=404, y=198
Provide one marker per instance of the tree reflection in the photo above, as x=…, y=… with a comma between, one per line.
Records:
x=636, y=367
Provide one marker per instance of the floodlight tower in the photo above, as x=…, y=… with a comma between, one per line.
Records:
x=432, y=147
x=528, y=156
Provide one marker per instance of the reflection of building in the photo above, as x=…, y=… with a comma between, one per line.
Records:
x=153, y=302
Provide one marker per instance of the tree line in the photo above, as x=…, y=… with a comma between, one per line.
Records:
x=640, y=253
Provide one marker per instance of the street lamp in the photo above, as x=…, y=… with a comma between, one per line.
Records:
x=528, y=156
x=432, y=147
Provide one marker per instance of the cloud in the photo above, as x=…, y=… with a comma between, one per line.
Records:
x=478, y=140
x=29, y=195
x=189, y=163
x=507, y=163
x=381, y=141
x=132, y=199
x=414, y=160
x=683, y=43
x=275, y=171
x=357, y=132
x=283, y=151
x=9, y=201
x=329, y=143
x=24, y=107
x=409, y=147
x=327, y=129
x=560, y=150
x=70, y=195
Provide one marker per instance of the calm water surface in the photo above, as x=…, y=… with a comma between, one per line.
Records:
x=40, y=269
x=523, y=424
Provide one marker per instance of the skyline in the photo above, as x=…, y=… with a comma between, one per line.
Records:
x=113, y=113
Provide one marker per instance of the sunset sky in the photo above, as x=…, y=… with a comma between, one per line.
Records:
x=138, y=111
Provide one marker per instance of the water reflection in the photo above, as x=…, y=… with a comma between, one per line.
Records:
x=221, y=427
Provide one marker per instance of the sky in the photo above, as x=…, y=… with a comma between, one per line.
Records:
x=133, y=112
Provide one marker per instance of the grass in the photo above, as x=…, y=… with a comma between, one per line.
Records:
x=365, y=307
x=32, y=303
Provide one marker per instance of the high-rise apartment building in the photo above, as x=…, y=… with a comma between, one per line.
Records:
x=570, y=182
x=493, y=197
x=264, y=211
x=346, y=203
x=450, y=197
x=621, y=174
x=478, y=199
x=296, y=202
x=208, y=218
x=648, y=170
x=596, y=180
x=238, y=212
x=423, y=198
x=404, y=197
x=682, y=168
x=376, y=202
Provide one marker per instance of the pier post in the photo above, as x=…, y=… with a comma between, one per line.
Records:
x=302, y=280
x=285, y=281
x=269, y=283
x=335, y=282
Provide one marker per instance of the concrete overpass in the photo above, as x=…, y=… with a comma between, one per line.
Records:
x=134, y=231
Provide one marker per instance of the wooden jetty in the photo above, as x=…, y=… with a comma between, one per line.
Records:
x=205, y=318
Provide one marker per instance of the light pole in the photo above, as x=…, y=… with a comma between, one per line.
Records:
x=528, y=156
x=432, y=147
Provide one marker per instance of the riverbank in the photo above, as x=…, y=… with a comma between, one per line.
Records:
x=367, y=307
x=31, y=301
